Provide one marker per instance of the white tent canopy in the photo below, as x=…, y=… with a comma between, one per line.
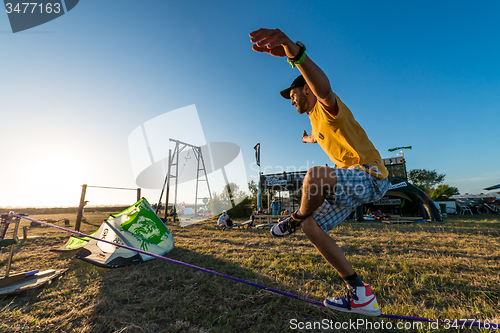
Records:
x=469, y=197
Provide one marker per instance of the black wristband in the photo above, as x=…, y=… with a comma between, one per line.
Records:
x=301, y=52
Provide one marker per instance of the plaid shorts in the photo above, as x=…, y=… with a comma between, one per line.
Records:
x=354, y=187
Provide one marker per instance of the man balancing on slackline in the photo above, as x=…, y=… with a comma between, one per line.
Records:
x=329, y=194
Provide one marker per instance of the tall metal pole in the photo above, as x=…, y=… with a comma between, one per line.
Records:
x=259, y=192
x=269, y=199
x=205, y=173
x=198, y=155
x=168, y=181
x=176, y=152
x=404, y=163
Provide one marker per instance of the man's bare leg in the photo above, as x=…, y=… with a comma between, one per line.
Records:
x=327, y=247
x=316, y=182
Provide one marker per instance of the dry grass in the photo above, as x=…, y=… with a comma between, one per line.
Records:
x=436, y=270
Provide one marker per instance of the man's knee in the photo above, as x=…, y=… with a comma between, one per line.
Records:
x=310, y=226
x=320, y=177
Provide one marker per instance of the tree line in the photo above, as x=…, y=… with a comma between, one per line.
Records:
x=430, y=182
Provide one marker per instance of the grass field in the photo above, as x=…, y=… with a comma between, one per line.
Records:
x=436, y=270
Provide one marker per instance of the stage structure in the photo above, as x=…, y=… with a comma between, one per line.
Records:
x=285, y=181
x=396, y=167
x=173, y=162
x=399, y=189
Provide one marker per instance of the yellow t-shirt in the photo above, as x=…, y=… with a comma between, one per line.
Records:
x=345, y=141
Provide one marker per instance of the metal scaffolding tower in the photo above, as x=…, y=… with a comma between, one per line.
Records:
x=173, y=161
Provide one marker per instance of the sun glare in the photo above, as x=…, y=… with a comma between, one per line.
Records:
x=52, y=178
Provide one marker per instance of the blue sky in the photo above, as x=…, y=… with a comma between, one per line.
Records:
x=416, y=73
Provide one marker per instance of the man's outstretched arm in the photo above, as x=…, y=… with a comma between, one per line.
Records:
x=308, y=138
x=276, y=43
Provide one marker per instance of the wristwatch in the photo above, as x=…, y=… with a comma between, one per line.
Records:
x=301, y=51
x=300, y=57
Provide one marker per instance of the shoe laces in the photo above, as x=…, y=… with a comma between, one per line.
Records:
x=351, y=294
x=290, y=224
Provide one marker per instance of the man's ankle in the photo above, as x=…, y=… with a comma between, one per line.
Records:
x=354, y=280
x=300, y=216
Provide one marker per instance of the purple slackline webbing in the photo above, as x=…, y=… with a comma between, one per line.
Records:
x=397, y=317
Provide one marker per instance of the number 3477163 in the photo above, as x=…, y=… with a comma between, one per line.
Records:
x=33, y=8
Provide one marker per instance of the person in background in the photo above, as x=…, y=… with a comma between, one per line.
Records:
x=275, y=206
x=222, y=223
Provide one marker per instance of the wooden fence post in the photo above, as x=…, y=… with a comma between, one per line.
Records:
x=80, y=208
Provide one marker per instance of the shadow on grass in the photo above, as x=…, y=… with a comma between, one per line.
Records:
x=160, y=296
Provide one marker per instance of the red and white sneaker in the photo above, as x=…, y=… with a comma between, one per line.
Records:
x=360, y=300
